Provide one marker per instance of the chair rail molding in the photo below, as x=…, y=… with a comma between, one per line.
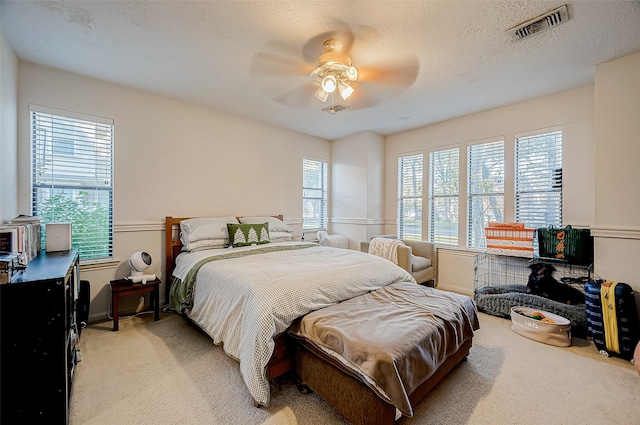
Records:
x=615, y=232
x=138, y=227
x=360, y=221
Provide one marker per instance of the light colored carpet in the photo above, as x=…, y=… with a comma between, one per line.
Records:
x=169, y=372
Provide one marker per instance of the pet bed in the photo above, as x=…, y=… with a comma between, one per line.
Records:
x=541, y=326
x=498, y=301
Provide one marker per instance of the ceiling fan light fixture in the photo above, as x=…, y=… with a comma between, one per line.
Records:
x=334, y=71
x=321, y=94
x=329, y=83
x=352, y=73
x=345, y=90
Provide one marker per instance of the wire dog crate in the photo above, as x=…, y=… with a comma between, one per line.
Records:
x=500, y=282
x=500, y=270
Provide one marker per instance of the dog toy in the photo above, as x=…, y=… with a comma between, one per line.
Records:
x=539, y=316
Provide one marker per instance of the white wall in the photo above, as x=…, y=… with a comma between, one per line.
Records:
x=234, y=165
x=572, y=110
x=617, y=147
x=8, y=131
x=171, y=158
x=357, y=171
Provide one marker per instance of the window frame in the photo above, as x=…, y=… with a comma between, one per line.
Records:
x=550, y=175
x=446, y=196
x=472, y=195
x=82, y=179
x=414, y=197
x=321, y=222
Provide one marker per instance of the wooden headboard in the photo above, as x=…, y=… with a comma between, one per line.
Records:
x=173, y=247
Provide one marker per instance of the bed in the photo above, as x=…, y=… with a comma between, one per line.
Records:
x=267, y=303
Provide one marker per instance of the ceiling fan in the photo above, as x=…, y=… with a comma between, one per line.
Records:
x=349, y=68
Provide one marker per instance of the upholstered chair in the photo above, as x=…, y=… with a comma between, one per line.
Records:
x=419, y=258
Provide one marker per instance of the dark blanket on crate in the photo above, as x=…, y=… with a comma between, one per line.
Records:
x=498, y=300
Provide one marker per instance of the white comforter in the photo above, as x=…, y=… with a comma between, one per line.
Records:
x=245, y=302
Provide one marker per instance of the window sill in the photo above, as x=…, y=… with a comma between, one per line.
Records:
x=99, y=264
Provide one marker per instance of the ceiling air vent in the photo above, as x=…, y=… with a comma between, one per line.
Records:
x=541, y=23
x=335, y=108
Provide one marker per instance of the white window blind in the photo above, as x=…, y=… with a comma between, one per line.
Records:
x=410, y=177
x=444, y=193
x=539, y=180
x=72, y=177
x=314, y=194
x=485, y=187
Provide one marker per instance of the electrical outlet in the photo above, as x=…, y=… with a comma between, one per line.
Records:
x=140, y=304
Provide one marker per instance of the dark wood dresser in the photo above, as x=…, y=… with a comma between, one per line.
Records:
x=37, y=340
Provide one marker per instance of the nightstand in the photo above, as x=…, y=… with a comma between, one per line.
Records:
x=124, y=287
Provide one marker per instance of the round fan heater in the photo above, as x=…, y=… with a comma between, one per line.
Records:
x=139, y=262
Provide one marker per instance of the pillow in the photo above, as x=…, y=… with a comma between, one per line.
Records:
x=248, y=234
x=280, y=236
x=275, y=224
x=199, y=229
x=205, y=244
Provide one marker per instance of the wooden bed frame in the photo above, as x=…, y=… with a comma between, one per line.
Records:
x=344, y=392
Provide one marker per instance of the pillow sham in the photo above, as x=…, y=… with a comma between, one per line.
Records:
x=280, y=236
x=198, y=229
x=248, y=234
x=275, y=224
x=205, y=244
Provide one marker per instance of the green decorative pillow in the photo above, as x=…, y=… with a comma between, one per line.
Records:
x=248, y=234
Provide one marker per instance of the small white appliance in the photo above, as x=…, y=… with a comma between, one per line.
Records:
x=139, y=262
x=58, y=237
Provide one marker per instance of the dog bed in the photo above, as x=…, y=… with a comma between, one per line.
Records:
x=498, y=301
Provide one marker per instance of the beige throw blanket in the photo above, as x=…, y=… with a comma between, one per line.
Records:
x=385, y=248
x=394, y=338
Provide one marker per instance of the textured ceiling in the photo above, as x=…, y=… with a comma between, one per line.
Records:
x=205, y=53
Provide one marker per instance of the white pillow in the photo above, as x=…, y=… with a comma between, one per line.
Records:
x=280, y=236
x=275, y=224
x=199, y=229
x=205, y=244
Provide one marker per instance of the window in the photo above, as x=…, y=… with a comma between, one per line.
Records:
x=444, y=192
x=72, y=176
x=314, y=194
x=410, y=175
x=539, y=180
x=485, y=187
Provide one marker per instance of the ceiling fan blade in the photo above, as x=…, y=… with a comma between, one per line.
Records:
x=267, y=64
x=385, y=86
x=300, y=96
x=395, y=72
x=368, y=95
x=279, y=58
